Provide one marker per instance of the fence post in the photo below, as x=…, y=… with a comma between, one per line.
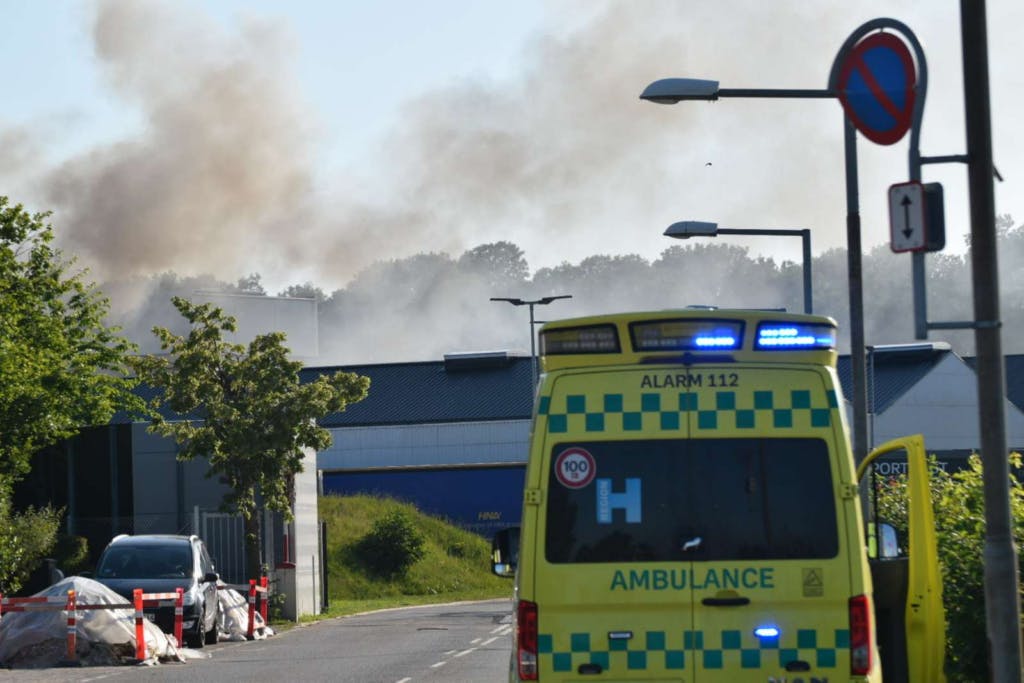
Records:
x=178, y=602
x=71, y=657
x=263, y=599
x=140, y=632
x=252, y=609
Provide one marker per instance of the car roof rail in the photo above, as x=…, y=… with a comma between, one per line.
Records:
x=193, y=537
x=119, y=537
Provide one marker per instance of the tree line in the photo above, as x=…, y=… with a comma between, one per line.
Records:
x=423, y=306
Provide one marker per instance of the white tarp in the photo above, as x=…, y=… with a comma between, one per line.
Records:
x=234, y=614
x=38, y=638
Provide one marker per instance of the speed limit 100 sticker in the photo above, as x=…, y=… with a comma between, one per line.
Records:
x=575, y=468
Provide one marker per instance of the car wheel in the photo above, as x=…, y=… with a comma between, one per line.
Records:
x=197, y=639
x=213, y=635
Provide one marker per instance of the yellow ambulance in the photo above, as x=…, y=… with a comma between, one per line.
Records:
x=691, y=509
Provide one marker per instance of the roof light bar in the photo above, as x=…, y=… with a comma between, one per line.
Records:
x=787, y=336
x=686, y=334
x=588, y=339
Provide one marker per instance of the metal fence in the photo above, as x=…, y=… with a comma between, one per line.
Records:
x=224, y=535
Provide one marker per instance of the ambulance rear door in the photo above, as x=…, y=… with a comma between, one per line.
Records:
x=770, y=542
x=613, y=593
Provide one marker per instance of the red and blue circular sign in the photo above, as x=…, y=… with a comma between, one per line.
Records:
x=575, y=468
x=877, y=86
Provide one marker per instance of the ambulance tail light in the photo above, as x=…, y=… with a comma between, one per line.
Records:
x=526, y=640
x=860, y=635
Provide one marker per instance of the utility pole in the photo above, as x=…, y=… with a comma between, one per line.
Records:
x=1002, y=597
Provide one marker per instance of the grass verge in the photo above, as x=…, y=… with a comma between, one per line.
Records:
x=455, y=565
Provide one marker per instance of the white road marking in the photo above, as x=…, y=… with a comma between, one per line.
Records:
x=404, y=680
x=465, y=652
x=434, y=666
x=488, y=641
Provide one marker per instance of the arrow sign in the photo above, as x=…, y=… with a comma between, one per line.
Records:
x=907, y=213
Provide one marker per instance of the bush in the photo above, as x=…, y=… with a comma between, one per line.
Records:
x=391, y=547
x=25, y=539
x=958, y=502
x=71, y=554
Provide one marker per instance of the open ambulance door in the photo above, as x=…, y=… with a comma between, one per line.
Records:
x=917, y=577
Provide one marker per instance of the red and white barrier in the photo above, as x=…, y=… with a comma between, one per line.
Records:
x=253, y=590
x=143, y=600
x=256, y=588
x=49, y=604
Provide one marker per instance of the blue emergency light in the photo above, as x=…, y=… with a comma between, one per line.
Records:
x=767, y=632
x=686, y=334
x=715, y=341
x=787, y=336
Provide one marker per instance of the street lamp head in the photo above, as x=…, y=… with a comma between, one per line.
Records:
x=672, y=90
x=687, y=229
x=513, y=301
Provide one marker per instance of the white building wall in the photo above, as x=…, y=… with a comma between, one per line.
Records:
x=944, y=407
x=467, y=443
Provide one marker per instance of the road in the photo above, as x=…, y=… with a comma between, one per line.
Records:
x=457, y=643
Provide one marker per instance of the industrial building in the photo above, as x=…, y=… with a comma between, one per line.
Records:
x=449, y=435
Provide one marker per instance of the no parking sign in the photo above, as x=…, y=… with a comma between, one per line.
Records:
x=877, y=86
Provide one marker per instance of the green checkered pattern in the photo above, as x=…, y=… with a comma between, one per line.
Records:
x=674, y=651
x=669, y=411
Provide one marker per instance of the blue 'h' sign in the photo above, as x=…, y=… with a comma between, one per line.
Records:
x=629, y=501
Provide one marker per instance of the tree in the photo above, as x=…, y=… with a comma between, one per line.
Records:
x=501, y=263
x=25, y=539
x=243, y=408
x=62, y=367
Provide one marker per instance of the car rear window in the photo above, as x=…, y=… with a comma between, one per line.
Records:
x=720, y=499
x=149, y=561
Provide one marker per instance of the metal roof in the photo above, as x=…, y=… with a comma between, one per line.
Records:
x=497, y=386
x=462, y=388
x=892, y=370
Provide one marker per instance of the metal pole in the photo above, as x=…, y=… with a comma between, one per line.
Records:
x=805, y=236
x=1002, y=599
x=858, y=366
x=533, y=348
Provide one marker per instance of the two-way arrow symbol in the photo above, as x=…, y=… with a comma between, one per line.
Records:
x=907, y=231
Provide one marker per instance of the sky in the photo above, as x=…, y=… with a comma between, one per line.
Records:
x=306, y=140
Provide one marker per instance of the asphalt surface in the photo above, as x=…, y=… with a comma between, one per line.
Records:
x=455, y=643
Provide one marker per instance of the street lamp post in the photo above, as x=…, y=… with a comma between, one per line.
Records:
x=673, y=90
x=543, y=301
x=688, y=229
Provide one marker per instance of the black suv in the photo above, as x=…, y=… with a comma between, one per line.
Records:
x=160, y=564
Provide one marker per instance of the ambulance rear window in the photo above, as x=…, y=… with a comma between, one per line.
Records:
x=724, y=499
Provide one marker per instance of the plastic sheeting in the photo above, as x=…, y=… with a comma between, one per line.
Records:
x=103, y=636
x=234, y=614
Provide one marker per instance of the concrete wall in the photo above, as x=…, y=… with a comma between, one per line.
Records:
x=308, y=582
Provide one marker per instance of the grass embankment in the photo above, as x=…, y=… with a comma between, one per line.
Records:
x=455, y=565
